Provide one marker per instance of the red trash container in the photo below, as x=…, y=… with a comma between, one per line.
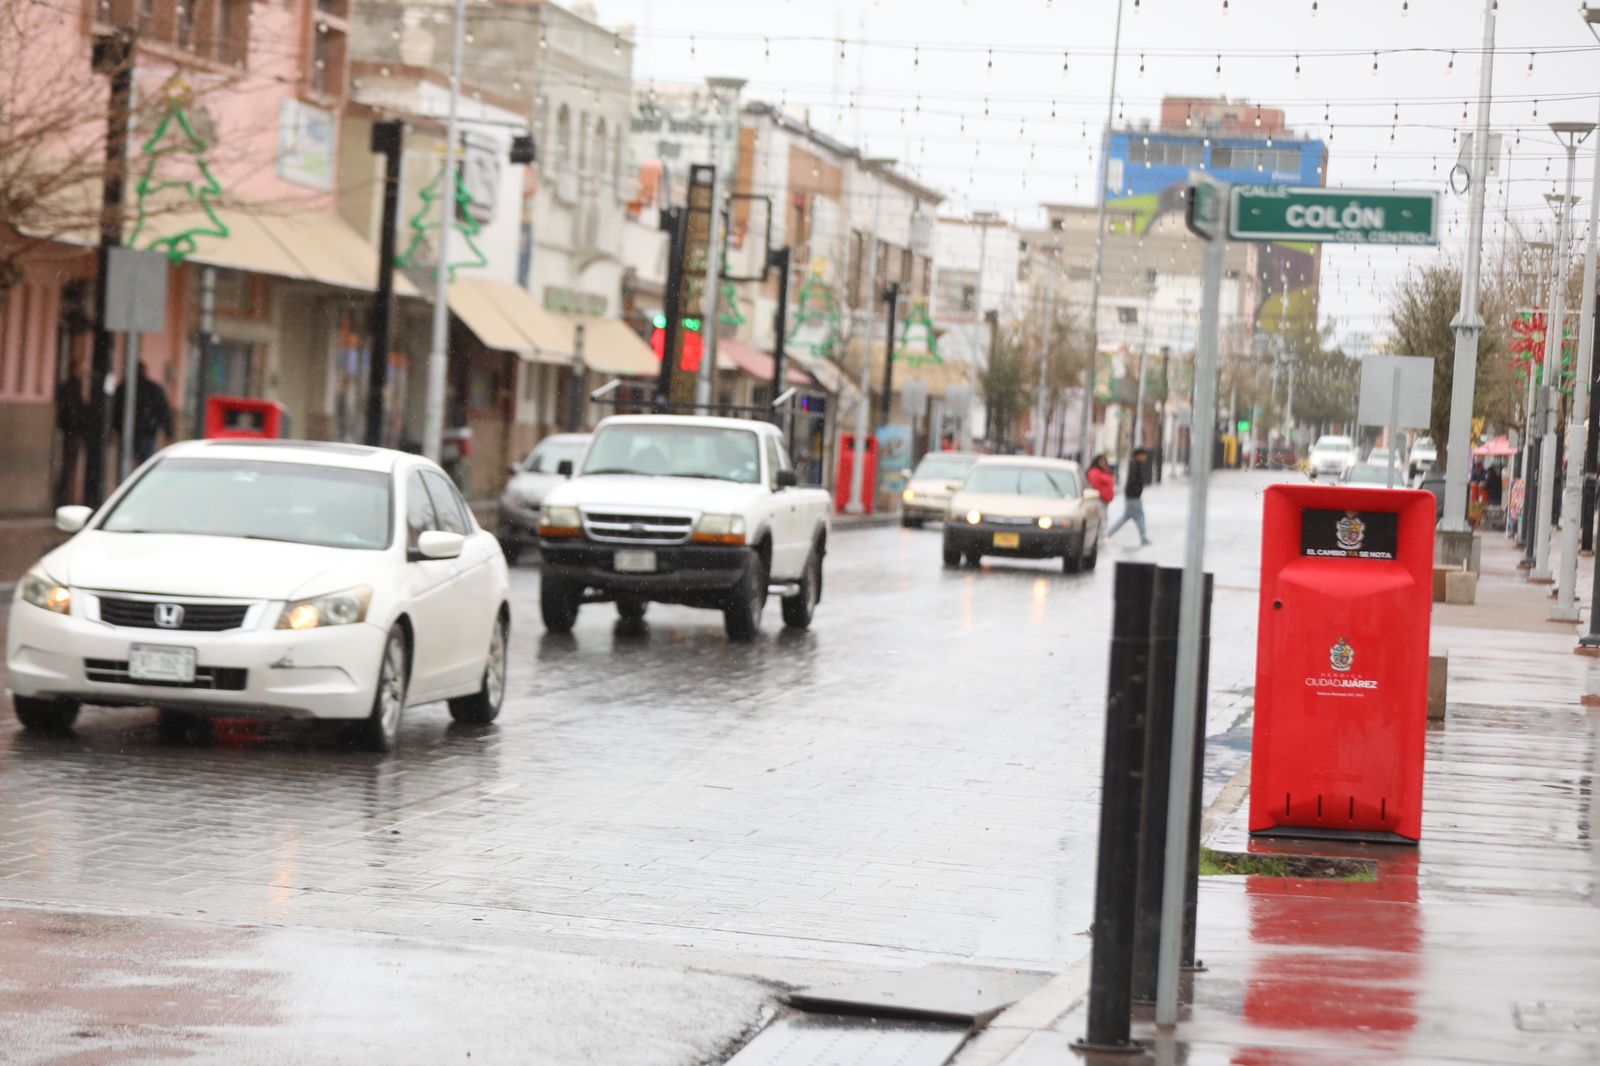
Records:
x=1342, y=663
x=869, y=480
x=242, y=417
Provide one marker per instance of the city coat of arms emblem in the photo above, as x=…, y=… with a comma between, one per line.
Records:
x=1341, y=655
x=1350, y=531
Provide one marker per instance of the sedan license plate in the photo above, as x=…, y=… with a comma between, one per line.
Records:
x=1008, y=540
x=159, y=662
x=635, y=562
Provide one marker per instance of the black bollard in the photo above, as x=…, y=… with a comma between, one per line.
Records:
x=1157, y=773
x=1191, y=899
x=1117, y=866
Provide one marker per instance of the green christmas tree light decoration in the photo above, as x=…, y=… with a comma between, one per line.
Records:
x=174, y=138
x=729, y=294
x=808, y=312
x=422, y=222
x=928, y=352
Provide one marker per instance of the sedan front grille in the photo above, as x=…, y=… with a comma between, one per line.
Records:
x=638, y=528
x=195, y=617
x=216, y=678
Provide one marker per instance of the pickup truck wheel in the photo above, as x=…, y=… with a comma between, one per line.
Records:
x=952, y=555
x=799, y=609
x=742, y=615
x=631, y=611
x=558, y=604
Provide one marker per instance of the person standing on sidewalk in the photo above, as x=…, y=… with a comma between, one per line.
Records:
x=152, y=415
x=1132, y=495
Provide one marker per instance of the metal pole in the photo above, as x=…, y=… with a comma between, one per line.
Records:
x=1468, y=323
x=130, y=401
x=858, y=459
x=1591, y=451
x=1086, y=431
x=1138, y=386
x=1188, y=694
x=1566, y=604
x=779, y=259
x=1044, y=357
x=1157, y=769
x=983, y=219
x=1524, y=530
x=705, y=381
x=1552, y=379
x=892, y=297
x=438, y=356
x=580, y=371
x=113, y=56
x=675, y=220
x=208, y=338
x=1394, y=425
x=387, y=139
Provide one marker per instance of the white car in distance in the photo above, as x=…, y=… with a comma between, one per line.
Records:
x=266, y=579
x=1331, y=456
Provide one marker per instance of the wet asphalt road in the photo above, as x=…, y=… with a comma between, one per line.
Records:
x=915, y=779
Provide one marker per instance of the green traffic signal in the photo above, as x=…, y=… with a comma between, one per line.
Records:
x=1244, y=426
x=659, y=321
x=692, y=325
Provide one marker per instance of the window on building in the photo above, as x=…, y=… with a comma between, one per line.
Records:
x=1221, y=158
x=601, y=145
x=583, y=143
x=563, y=148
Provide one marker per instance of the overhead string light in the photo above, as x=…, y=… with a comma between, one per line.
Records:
x=991, y=61
x=1374, y=64
x=1530, y=64
x=1224, y=7
x=766, y=49
x=1065, y=56
x=1297, y=64
x=1313, y=8
x=1188, y=118
x=1141, y=64
x=1405, y=8
x=1258, y=116
x=916, y=58
x=1450, y=67
x=1219, y=67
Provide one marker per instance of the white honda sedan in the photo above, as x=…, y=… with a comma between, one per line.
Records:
x=266, y=578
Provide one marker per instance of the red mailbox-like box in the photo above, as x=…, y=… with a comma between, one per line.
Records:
x=240, y=416
x=1342, y=663
x=869, y=475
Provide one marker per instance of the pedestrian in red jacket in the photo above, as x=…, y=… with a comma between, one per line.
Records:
x=1103, y=480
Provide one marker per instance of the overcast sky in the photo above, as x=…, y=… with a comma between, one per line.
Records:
x=963, y=92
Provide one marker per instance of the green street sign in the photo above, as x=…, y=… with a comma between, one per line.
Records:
x=1342, y=216
x=1204, y=215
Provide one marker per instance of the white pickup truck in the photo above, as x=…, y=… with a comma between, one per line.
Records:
x=675, y=509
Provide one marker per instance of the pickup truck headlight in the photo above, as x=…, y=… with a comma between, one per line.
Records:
x=41, y=590
x=1047, y=522
x=334, y=609
x=719, y=529
x=974, y=517
x=560, y=521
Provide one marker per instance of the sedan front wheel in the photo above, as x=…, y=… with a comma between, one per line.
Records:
x=382, y=725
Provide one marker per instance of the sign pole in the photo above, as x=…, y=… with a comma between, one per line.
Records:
x=130, y=401
x=1394, y=426
x=1186, y=699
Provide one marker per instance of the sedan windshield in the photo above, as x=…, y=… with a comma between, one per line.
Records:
x=1022, y=481
x=943, y=468
x=296, y=502
x=548, y=458
x=1375, y=474
x=1326, y=445
x=658, y=450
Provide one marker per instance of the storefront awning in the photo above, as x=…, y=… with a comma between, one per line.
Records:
x=506, y=317
x=758, y=364
x=611, y=347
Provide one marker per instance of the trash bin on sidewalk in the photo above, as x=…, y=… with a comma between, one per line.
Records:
x=1342, y=663
x=242, y=417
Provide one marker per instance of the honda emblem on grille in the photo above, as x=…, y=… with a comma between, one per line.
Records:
x=169, y=615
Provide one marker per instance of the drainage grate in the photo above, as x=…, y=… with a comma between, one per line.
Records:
x=845, y=1040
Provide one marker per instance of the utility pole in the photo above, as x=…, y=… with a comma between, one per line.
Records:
x=725, y=91
x=438, y=355
x=1570, y=134
x=112, y=56
x=1044, y=355
x=778, y=259
x=983, y=219
x=387, y=140
x=1566, y=605
x=1144, y=344
x=1468, y=323
x=859, y=458
x=675, y=221
x=1086, y=439
x=891, y=296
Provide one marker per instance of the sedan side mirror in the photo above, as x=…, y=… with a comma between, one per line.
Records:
x=952, y=486
x=513, y=469
x=564, y=468
x=788, y=479
x=437, y=544
x=905, y=475
x=73, y=518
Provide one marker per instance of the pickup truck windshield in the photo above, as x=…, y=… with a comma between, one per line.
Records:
x=657, y=450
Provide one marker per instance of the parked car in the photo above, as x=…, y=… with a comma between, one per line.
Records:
x=705, y=512
x=1331, y=456
x=1024, y=508
x=930, y=486
x=548, y=465
x=266, y=578
x=1377, y=474
x=1423, y=455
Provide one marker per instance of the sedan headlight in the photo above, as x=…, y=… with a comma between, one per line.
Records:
x=974, y=517
x=41, y=590
x=908, y=496
x=559, y=521
x=334, y=609
x=1046, y=522
x=719, y=529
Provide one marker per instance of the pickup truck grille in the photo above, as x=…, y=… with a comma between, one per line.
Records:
x=638, y=528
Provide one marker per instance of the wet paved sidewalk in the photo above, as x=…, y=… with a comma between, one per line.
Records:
x=1481, y=945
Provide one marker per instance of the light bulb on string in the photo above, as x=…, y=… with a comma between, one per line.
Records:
x=1530, y=64
x=1463, y=111
x=1313, y=8
x=1224, y=7
x=916, y=58
x=1141, y=64
x=1374, y=64
x=1297, y=64
x=1188, y=118
x=1269, y=140
x=1450, y=67
x=1536, y=111
x=1065, y=56
x=991, y=61
x=1219, y=68
x=1405, y=8
x=1325, y=108
x=1052, y=109
x=841, y=49
x=766, y=49
x=985, y=107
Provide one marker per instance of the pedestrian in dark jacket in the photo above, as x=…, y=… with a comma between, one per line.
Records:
x=152, y=414
x=1133, y=493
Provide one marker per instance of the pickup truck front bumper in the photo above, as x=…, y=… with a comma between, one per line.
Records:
x=692, y=574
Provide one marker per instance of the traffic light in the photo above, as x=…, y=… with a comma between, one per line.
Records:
x=1244, y=425
x=693, y=343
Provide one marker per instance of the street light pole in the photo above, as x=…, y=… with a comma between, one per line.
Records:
x=438, y=357
x=725, y=92
x=1525, y=526
x=858, y=460
x=1570, y=133
x=983, y=219
x=1572, y=497
x=1086, y=431
x=1468, y=323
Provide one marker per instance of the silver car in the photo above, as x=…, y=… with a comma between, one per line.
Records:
x=930, y=485
x=549, y=464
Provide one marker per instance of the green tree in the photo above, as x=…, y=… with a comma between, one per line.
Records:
x=1005, y=388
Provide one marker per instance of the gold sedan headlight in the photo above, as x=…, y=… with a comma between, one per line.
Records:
x=974, y=517
x=1046, y=522
x=41, y=590
x=908, y=496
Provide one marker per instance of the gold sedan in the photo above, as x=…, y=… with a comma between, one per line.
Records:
x=1024, y=508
